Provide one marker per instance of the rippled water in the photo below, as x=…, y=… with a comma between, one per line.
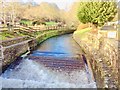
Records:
x=62, y=44
x=30, y=74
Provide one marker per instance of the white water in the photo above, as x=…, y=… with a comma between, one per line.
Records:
x=30, y=74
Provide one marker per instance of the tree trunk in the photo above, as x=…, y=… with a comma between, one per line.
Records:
x=4, y=20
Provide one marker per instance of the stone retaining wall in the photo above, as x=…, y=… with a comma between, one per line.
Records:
x=10, y=52
x=102, y=55
x=13, y=41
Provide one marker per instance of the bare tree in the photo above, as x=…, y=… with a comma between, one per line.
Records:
x=3, y=11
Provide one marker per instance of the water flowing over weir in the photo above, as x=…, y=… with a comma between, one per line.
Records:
x=56, y=63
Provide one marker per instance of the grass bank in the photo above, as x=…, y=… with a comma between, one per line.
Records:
x=81, y=34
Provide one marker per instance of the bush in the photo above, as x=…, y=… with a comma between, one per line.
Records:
x=97, y=13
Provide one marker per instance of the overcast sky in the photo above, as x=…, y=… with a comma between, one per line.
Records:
x=62, y=4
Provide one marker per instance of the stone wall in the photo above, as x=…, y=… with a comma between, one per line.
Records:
x=13, y=41
x=12, y=52
x=102, y=56
x=15, y=48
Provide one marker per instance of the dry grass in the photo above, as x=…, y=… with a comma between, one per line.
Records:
x=82, y=26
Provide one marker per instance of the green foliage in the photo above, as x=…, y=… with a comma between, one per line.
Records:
x=96, y=13
x=26, y=22
x=5, y=35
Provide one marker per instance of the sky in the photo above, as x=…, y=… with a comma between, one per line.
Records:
x=62, y=4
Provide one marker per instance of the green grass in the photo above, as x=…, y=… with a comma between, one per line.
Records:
x=8, y=35
x=2, y=37
x=26, y=22
x=50, y=23
x=5, y=36
x=82, y=33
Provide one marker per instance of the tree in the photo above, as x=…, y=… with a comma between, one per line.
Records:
x=3, y=11
x=9, y=11
x=49, y=11
x=97, y=13
x=70, y=16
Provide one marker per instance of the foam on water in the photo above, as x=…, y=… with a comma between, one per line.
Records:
x=31, y=74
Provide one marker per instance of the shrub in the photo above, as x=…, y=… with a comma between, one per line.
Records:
x=97, y=13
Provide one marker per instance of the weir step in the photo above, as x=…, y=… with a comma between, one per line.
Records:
x=64, y=64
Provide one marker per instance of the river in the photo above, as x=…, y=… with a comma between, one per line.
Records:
x=31, y=74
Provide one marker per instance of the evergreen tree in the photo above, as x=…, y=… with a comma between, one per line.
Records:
x=97, y=13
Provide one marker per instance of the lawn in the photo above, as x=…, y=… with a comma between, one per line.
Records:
x=50, y=23
x=5, y=36
x=26, y=22
x=82, y=33
x=8, y=35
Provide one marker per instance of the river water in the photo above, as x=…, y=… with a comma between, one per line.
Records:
x=30, y=74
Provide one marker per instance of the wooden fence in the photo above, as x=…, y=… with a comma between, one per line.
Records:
x=32, y=28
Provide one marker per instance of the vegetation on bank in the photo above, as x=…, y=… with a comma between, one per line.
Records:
x=82, y=33
x=7, y=35
x=26, y=22
x=50, y=23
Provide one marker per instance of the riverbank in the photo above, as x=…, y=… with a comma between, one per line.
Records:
x=16, y=47
x=101, y=55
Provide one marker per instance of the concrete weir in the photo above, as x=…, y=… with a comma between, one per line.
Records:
x=61, y=64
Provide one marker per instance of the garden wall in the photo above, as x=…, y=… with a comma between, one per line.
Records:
x=102, y=56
